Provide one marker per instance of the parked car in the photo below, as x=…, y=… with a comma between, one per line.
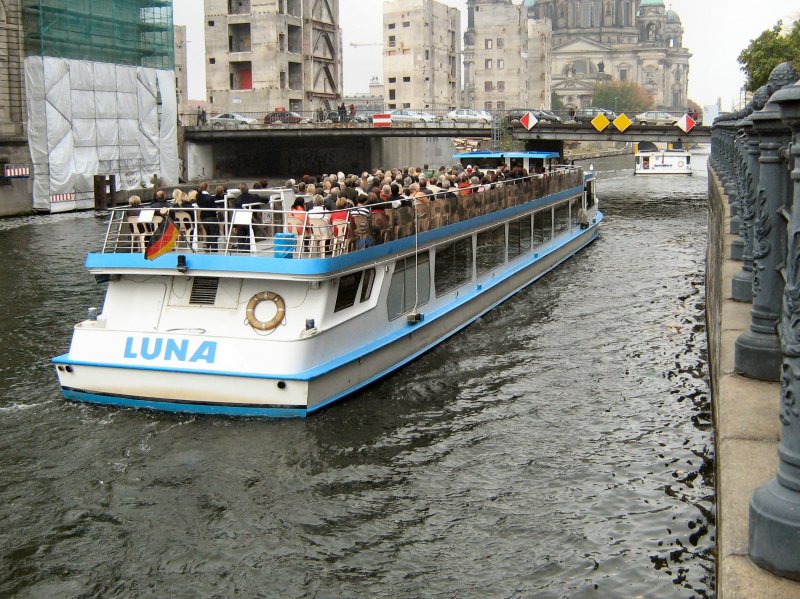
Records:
x=231, y=119
x=333, y=117
x=655, y=117
x=587, y=113
x=515, y=114
x=284, y=116
x=467, y=115
x=406, y=115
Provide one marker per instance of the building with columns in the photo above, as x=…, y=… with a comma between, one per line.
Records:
x=421, y=48
x=268, y=54
x=597, y=41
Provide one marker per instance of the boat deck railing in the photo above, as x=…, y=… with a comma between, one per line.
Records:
x=256, y=230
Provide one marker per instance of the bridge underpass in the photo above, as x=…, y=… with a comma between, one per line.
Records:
x=290, y=150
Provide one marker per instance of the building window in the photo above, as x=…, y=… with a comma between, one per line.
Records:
x=212, y=61
x=406, y=23
x=406, y=79
x=488, y=44
x=392, y=42
x=392, y=79
x=487, y=105
x=391, y=94
x=427, y=54
x=391, y=25
x=501, y=64
x=501, y=86
x=501, y=105
x=281, y=42
x=211, y=23
x=623, y=74
x=487, y=64
x=283, y=79
x=488, y=86
x=500, y=43
x=406, y=104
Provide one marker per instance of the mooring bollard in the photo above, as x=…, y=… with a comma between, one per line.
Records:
x=758, y=351
x=774, y=537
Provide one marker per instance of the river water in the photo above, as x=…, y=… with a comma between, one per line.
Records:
x=559, y=447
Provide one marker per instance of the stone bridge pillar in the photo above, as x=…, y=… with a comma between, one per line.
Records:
x=774, y=536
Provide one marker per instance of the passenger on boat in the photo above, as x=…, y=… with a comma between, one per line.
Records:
x=245, y=197
x=318, y=209
x=208, y=213
x=463, y=185
x=331, y=199
x=361, y=208
x=133, y=202
x=159, y=200
x=341, y=213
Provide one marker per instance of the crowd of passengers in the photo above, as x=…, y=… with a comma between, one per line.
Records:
x=338, y=198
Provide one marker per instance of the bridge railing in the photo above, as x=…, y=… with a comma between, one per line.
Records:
x=258, y=230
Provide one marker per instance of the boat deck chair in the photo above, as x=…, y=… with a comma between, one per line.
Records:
x=184, y=220
x=362, y=232
x=320, y=237
x=297, y=225
x=138, y=239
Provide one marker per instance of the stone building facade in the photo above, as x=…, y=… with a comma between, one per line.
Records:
x=268, y=54
x=422, y=44
x=506, y=57
x=597, y=41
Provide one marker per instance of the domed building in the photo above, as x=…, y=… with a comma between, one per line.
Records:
x=600, y=41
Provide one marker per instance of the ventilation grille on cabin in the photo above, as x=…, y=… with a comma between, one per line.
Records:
x=204, y=291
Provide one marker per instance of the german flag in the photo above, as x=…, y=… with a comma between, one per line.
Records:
x=162, y=240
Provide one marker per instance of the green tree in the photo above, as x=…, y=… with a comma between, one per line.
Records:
x=556, y=103
x=621, y=96
x=767, y=51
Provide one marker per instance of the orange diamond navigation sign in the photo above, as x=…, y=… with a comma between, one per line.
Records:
x=528, y=120
x=600, y=122
x=686, y=123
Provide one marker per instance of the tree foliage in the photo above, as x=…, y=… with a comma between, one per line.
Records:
x=621, y=96
x=767, y=51
x=556, y=103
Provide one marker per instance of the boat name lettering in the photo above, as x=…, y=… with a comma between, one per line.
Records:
x=150, y=348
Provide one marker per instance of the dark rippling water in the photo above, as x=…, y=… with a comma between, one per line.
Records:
x=559, y=447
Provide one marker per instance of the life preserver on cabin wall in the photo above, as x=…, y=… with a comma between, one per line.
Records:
x=269, y=325
x=680, y=162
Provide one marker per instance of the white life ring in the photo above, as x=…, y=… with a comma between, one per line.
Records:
x=680, y=162
x=269, y=325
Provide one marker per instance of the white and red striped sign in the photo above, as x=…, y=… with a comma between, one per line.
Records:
x=686, y=123
x=16, y=170
x=382, y=120
x=62, y=197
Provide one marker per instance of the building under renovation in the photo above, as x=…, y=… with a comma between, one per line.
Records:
x=91, y=85
x=263, y=55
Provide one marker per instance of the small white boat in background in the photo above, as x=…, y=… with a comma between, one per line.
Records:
x=281, y=318
x=651, y=160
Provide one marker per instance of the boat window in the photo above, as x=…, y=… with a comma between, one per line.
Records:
x=561, y=218
x=542, y=226
x=348, y=287
x=453, y=265
x=366, y=286
x=574, y=206
x=519, y=237
x=410, y=286
x=491, y=250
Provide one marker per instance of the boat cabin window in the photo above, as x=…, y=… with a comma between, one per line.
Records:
x=519, y=237
x=366, y=286
x=574, y=206
x=491, y=251
x=542, y=226
x=348, y=288
x=453, y=265
x=410, y=286
x=561, y=219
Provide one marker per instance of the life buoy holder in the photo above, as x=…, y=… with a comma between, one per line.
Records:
x=269, y=325
x=680, y=162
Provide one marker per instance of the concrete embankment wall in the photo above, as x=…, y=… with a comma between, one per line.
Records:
x=746, y=421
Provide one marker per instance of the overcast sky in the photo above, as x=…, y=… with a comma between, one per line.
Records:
x=715, y=32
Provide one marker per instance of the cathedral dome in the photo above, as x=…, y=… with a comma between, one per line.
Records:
x=672, y=17
x=651, y=3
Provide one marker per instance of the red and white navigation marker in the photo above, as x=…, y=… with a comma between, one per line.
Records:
x=686, y=123
x=528, y=120
x=382, y=120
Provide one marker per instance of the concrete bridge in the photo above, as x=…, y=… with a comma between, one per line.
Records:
x=753, y=305
x=287, y=150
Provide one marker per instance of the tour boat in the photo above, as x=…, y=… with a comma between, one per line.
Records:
x=283, y=315
x=650, y=160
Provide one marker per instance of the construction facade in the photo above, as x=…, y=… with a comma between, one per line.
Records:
x=90, y=88
x=506, y=57
x=422, y=46
x=263, y=55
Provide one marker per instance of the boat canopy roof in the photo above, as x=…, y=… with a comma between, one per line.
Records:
x=503, y=155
